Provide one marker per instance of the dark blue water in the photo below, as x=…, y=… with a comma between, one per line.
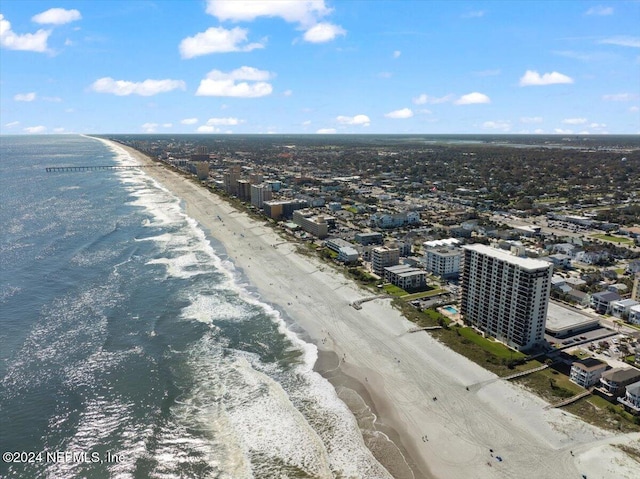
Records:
x=129, y=346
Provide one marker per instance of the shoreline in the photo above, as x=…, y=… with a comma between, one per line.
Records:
x=396, y=374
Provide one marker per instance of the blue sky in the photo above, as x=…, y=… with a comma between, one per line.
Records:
x=319, y=66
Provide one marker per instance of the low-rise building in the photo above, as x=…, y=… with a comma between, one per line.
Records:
x=631, y=399
x=406, y=277
x=366, y=239
x=603, y=300
x=613, y=383
x=587, y=372
x=634, y=314
x=622, y=308
x=346, y=251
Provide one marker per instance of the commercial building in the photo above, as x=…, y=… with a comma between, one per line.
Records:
x=346, y=252
x=505, y=296
x=366, y=239
x=282, y=209
x=383, y=256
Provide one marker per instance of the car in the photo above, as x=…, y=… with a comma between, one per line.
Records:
x=583, y=337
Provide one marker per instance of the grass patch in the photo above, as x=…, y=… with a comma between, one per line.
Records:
x=423, y=294
x=612, y=238
x=394, y=290
x=496, y=348
x=600, y=412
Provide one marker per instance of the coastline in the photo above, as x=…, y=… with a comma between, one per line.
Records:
x=397, y=374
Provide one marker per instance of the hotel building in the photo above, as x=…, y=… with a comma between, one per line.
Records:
x=505, y=296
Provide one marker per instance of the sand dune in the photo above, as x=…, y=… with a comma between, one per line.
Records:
x=459, y=435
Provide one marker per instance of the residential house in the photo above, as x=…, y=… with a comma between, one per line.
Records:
x=601, y=302
x=621, y=308
x=613, y=382
x=631, y=400
x=587, y=372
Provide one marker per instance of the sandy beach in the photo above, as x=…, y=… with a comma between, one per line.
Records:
x=369, y=356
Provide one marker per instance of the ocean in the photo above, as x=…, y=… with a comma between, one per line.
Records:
x=130, y=347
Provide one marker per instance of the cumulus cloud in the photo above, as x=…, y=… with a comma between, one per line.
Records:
x=207, y=129
x=354, y=120
x=399, y=114
x=189, y=121
x=32, y=42
x=574, y=121
x=149, y=127
x=397, y=53
x=217, y=40
x=304, y=12
x=473, y=99
x=323, y=32
x=145, y=88
x=600, y=11
x=326, y=131
x=621, y=97
x=560, y=131
x=497, y=125
x=25, y=96
x=622, y=41
x=35, y=129
x=531, y=119
x=224, y=121
x=424, y=98
x=57, y=16
x=218, y=83
x=533, y=78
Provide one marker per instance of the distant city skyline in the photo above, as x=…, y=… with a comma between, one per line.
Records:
x=316, y=66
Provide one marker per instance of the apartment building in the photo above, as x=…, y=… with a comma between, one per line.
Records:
x=587, y=372
x=443, y=261
x=505, y=296
x=383, y=256
x=311, y=223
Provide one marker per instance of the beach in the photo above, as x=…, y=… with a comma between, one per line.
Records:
x=414, y=387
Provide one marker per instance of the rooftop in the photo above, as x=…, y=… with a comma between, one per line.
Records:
x=525, y=263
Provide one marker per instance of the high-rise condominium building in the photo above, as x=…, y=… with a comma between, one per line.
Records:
x=505, y=296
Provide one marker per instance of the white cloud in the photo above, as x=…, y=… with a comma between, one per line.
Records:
x=32, y=42
x=145, y=88
x=52, y=99
x=533, y=78
x=397, y=53
x=560, y=131
x=621, y=97
x=57, y=16
x=574, y=121
x=634, y=109
x=224, y=121
x=473, y=99
x=597, y=125
x=497, y=125
x=531, y=119
x=599, y=10
x=207, y=129
x=304, y=12
x=59, y=130
x=287, y=93
x=189, y=121
x=622, y=41
x=326, y=131
x=35, y=129
x=323, y=32
x=167, y=125
x=25, y=96
x=538, y=131
x=12, y=124
x=385, y=75
x=149, y=127
x=354, y=120
x=424, y=98
x=217, y=40
x=306, y=123
x=219, y=83
x=398, y=114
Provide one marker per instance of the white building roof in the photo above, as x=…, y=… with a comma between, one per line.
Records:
x=525, y=263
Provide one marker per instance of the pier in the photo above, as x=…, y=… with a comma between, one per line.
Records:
x=67, y=169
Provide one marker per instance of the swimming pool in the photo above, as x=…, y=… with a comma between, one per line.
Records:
x=450, y=310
